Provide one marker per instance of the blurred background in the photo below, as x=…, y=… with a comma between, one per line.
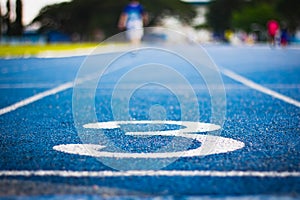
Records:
x=81, y=21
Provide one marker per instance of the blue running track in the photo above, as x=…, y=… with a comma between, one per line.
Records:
x=262, y=112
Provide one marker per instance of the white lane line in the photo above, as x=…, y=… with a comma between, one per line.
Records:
x=27, y=85
x=140, y=173
x=260, y=88
x=36, y=97
x=129, y=86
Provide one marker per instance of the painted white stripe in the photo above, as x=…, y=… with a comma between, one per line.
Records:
x=36, y=98
x=44, y=94
x=99, y=174
x=129, y=86
x=260, y=88
x=27, y=85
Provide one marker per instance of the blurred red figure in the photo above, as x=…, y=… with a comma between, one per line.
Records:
x=273, y=28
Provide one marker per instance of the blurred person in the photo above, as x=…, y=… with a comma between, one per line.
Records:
x=133, y=19
x=284, y=36
x=228, y=35
x=273, y=29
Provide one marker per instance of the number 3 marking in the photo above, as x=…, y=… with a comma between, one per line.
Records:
x=209, y=144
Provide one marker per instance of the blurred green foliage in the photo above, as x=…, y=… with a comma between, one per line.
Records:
x=251, y=15
x=219, y=14
x=85, y=17
x=289, y=11
x=254, y=16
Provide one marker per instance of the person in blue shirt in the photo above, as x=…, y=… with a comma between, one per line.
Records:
x=133, y=19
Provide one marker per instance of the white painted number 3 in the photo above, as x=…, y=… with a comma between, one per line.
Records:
x=209, y=144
